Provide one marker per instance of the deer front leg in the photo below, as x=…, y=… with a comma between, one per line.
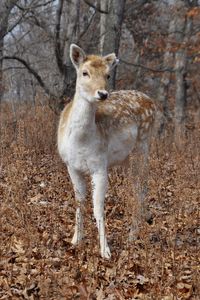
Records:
x=79, y=185
x=99, y=190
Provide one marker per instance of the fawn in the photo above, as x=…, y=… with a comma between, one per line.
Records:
x=97, y=131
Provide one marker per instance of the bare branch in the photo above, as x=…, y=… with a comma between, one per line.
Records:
x=13, y=68
x=33, y=20
x=147, y=68
x=4, y=18
x=31, y=71
x=86, y=27
x=34, y=6
x=25, y=11
x=96, y=8
x=58, y=48
x=14, y=25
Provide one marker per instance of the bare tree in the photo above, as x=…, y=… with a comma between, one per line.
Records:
x=185, y=26
x=110, y=29
x=5, y=9
x=48, y=61
x=168, y=61
x=38, y=49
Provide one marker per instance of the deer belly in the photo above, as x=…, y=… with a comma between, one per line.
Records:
x=121, y=143
x=88, y=155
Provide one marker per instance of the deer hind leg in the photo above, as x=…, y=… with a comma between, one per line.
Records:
x=143, y=176
x=143, y=179
x=143, y=213
x=99, y=181
x=79, y=185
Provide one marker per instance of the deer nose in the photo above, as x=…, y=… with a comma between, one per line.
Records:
x=103, y=95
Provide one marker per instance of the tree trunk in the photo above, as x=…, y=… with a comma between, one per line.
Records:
x=182, y=37
x=1, y=71
x=5, y=8
x=70, y=36
x=185, y=26
x=110, y=29
x=166, y=78
x=104, y=6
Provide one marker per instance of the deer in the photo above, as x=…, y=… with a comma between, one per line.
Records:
x=98, y=130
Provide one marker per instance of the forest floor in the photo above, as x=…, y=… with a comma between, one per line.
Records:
x=37, y=212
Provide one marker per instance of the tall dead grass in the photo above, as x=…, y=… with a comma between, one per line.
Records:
x=37, y=218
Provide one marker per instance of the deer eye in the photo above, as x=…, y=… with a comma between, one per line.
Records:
x=108, y=76
x=85, y=73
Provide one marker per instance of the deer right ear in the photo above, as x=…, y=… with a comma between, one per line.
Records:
x=77, y=55
x=111, y=60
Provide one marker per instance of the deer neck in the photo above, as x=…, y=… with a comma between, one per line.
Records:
x=83, y=114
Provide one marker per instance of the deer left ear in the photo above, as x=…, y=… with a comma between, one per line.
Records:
x=111, y=60
x=77, y=55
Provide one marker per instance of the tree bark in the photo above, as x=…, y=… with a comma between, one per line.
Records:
x=185, y=26
x=110, y=29
x=5, y=9
x=168, y=61
x=163, y=91
x=71, y=34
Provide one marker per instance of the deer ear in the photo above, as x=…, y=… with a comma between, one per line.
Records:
x=111, y=60
x=77, y=55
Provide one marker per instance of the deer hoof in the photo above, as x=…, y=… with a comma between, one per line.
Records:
x=106, y=253
x=76, y=239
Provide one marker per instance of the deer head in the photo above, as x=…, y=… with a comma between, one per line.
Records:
x=92, y=73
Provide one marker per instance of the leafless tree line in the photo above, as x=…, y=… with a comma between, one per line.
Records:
x=156, y=41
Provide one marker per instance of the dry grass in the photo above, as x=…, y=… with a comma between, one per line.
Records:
x=37, y=219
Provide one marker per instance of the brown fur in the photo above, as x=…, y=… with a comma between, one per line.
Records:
x=95, y=64
x=64, y=118
x=121, y=120
x=96, y=61
x=119, y=110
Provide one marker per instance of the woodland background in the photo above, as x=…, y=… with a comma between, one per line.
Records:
x=158, y=44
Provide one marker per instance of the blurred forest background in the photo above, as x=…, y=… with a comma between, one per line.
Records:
x=158, y=44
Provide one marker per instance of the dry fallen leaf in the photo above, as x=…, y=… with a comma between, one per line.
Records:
x=17, y=246
x=35, y=238
x=169, y=297
x=184, y=290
